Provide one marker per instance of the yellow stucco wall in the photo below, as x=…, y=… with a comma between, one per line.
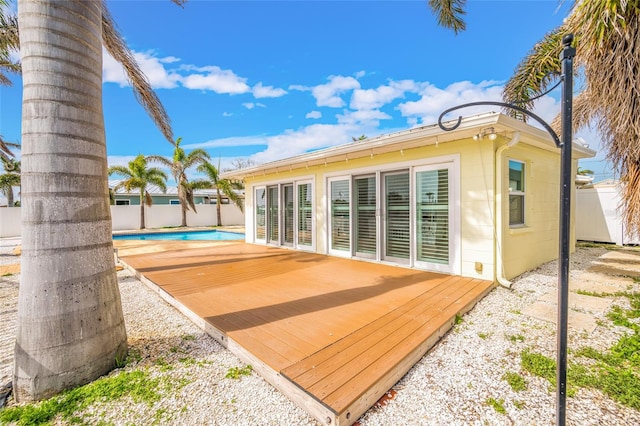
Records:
x=537, y=242
x=476, y=181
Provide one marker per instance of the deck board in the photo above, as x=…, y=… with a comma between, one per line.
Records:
x=336, y=329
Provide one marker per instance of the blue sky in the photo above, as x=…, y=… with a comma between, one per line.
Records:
x=266, y=80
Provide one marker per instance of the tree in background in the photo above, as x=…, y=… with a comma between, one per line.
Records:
x=9, y=179
x=608, y=60
x=70, y=327
x=9, y=41
x=222, y=186
x=138, y=176
x=179, y=164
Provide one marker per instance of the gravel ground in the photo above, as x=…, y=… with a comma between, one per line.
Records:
x=449, y=386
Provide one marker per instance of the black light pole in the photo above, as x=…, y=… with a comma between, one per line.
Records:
x=566, y=182
x=566, y=58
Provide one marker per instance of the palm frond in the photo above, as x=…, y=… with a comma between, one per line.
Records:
x=449, y=13
x=9, y=40
x=117, y=48
x=536, y=71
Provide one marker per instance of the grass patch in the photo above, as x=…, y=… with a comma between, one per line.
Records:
x=458, y=319
x=188, y=337
x=497, y=404
x=519, y=404
x=515, y=380
x=515, y=311
x=514, y=337
x=135, y=384
x=484, y=336
x=8, y=274
x=237, y=372
x=615, y=372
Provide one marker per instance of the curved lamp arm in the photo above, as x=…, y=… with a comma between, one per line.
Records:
x=544, y=124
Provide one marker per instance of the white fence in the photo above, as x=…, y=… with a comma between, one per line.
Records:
x=598, y=216
x=128, y=217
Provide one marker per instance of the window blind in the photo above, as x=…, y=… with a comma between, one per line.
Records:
x=340, y=215
x=260, y=214
x=365, y=221
x=305, y=214
x=397, y=217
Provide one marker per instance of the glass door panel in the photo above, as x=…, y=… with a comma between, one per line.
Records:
x=305, y=215
x=365, y=228
x=260, y=218
x=287, y=215
x=397, y=225
x=340, y=216
x=433, y=216
x=273, y=223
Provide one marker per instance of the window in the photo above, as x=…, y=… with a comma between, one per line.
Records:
x=516, y=193
x=260, y=214
x=305, y=214
x=174, y=202
x=122, y=202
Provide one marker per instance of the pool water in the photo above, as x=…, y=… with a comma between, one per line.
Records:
x=184, y=236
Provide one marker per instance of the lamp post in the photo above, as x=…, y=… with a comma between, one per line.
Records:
x=566, y=77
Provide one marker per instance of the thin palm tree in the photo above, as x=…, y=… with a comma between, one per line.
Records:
x=70, y=327
x=179, y=164
x=9, y=41
x=138, y=176
x=9, y=179
x=222, y=186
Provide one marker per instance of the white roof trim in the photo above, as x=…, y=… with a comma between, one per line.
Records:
x=409, y=139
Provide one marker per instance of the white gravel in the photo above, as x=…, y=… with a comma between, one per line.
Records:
x=449, y=386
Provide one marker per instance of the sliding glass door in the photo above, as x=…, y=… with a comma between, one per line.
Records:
x=287, y=215
x=273, y=218
x=365, y=220
x=283, y=215
x=434, y=216
x=340, y=216
x=397, y=217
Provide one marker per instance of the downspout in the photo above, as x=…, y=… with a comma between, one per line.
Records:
x=499, y=272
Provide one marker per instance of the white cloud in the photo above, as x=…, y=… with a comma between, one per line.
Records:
x=363, y=117
x=433, y=101
x=227, y=114
x=360, y=74
x=252, y=105
x=151, y=66
x=328, y=94
x=217, y=80
x=313, y=114
x=260, y=91
x=376, y=98
x=308, y=138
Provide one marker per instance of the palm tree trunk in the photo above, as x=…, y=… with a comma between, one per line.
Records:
x=184, y=215
x=9, y=195
x=70, y=327
x=218, y=207
x=141, y=209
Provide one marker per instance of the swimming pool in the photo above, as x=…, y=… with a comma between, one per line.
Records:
x=184, y=236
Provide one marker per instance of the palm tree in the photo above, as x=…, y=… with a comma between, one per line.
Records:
x=222, y=186
x=138, y=176
x=70, y=327
x=608, y=57
x=8, y=41
x=179, y=164
x=9, y=179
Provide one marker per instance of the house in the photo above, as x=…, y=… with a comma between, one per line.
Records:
x=200, y=196
x=481, y=201
x=598, y=214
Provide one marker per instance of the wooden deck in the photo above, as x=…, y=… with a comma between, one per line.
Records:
x=332, y=334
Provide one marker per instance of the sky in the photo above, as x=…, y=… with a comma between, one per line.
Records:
x=265, y=80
